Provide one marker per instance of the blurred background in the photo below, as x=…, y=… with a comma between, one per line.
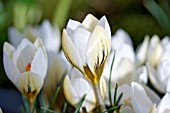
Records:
x=137, y=17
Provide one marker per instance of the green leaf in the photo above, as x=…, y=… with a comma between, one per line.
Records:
x=54, y=97
x=41, y=100
x=51, y=111
x=115, y=94
x=118, y=100
x=158, y=14
x=109, y=84
x=111, y=109
x=34, y=107
x=26, y=104
x=55, y=94
x=80, y=104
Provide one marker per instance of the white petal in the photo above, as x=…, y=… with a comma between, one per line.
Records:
x=154, y=79
x=10, y=68
x=126, y=109
x=104, y=23
x=121, y=37
x=124, y=72
x=23, y=55
x=166, y=42
x=142, y=50
x=81, y=37
x=155, y=51
x=152, y=95
x=8, y=49
x=49, y=35
x=164, y=106
x=90, y=22
x=168, y=86
x=39, y=44
x=142, y=75
x=39, y=63
x=29, y=82
x=98, y=48
x=72, y=25
x=69, y=92
x=164, y=72
x=15, y=37
x=140, y=101
x=71, y=52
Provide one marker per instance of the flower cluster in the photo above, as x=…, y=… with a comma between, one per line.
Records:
x=34, y=60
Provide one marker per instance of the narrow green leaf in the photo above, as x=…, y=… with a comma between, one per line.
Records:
x=41, y=100
x=115, y=95
x=109, y=84
x=80, y=104
x=54, y=97
x=158, y=14
x=111, y=109
x=34, y=107
x=26, y=104
x=55, y=94
x=118, y=100
x=48, y=110
x=65, y=107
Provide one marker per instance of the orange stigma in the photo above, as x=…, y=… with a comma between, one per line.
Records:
x=28, y=67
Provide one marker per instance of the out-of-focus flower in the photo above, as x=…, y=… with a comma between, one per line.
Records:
x=75, y=86
x=87, y=45
x=137, y=99
x=156, y=56
x=26, y=66
x=57, y=63
x=49, y=35
x=123, y=70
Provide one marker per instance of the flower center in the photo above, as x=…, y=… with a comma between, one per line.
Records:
x=28, y=67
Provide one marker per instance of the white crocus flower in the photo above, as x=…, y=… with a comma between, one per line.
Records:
x=137, y=99
x=87, y=45
x=49, y=35
x=76, y=85
x=123, y=70
x=156, y=56
x=57, y=63
x=26, y=66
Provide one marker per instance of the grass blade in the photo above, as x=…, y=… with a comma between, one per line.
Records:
x=80, y=104
x=111, y=109
x=118, y=100
x=115, y=95
x=26, y=104
x=57, y=90
x=51, y=111
x=109, y=84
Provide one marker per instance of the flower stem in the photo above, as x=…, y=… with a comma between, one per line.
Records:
x=99, y=101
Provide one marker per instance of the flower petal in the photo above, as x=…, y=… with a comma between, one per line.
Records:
x=69, y=92
x=39, y=63
x=49, y=35
x=140, y=101
x=120, y=38
x=152, y=95
x=81, y=37
x=155, y=51
x=11, y=70
x=23, y=55
x=164, y=106
x=142, y=50
x=90, y=22
x=98, y=49
x=71, y=52
x=15, y=37
x=104, y=23
x=154, y=79
x=142, y=75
